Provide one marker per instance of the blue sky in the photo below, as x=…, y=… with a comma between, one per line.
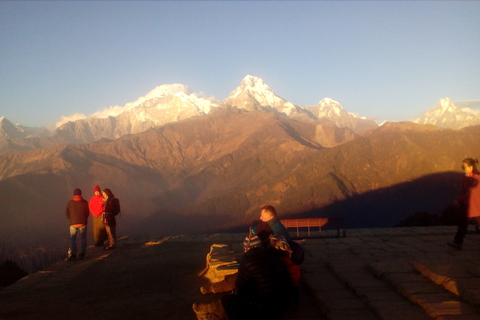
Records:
x=388, y=60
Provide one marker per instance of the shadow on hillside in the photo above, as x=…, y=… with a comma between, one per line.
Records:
x=380, y=208
x=386, y=207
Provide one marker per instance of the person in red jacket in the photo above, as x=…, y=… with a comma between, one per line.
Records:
x=469, y=200
x=77, y=213
x=96, y=207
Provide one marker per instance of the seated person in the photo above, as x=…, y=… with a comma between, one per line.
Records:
x=263, y=287
x=269, y=223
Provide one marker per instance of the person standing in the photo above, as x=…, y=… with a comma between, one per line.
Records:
x=77, y=212
x=469, y=200
x=111, y=209
x=96, y=207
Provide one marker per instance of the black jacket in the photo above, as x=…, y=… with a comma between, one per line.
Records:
x=112, y=208
x=264, y=280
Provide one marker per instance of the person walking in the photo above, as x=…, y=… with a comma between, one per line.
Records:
x=96, y=207
x=111, y=210
x=77, y=212
x=469, y=201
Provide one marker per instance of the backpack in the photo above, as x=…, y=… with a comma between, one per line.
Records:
x=298, y=254
x=115, y=206
x=108, y=218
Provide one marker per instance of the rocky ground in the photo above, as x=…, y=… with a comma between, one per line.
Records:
x=392, y=273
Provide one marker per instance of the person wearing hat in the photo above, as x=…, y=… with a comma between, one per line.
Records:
x=77, y=212
x=96, y=207
x=263, y=287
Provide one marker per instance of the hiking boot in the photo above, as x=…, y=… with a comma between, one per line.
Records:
x=72, y=258
x=81, y=256
x=455, y=245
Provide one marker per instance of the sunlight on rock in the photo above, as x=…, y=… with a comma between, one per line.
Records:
x=155, y=243
x=220, y=262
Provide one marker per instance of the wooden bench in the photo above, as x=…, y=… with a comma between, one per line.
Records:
x=312, y=223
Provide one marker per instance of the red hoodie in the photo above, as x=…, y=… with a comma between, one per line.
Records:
x=96, y=205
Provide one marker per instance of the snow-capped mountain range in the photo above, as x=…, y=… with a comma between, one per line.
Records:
x=447, y=116
x=176, y=102
x=162, y=97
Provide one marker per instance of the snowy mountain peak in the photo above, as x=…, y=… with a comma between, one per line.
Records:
x=329, y=107
x=254, y=94
x=328, y=101
x=447, y=115
x=445, y=103
x=16, y=131
x=175, y=89
x=333, y=111
x=4, y=121
x=253, y=82
x=253, y=85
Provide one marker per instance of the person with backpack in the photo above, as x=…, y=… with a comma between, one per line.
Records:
x=111, y=210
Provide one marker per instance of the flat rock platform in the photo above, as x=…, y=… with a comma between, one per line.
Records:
x=389, y=273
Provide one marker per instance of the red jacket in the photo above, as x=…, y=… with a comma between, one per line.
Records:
x=96, y=205
x=293, y=269
x=471, y=194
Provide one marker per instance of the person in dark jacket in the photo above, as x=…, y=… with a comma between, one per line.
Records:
x=263, y=288
x=112, y=209
x=77, y=212
x=269, y=223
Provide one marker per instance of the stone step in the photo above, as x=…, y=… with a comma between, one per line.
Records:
x=335, y=300
x=462, y=280
x=435, y=300
x=378, y=295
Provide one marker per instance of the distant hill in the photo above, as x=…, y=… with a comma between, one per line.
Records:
x=214, y=172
